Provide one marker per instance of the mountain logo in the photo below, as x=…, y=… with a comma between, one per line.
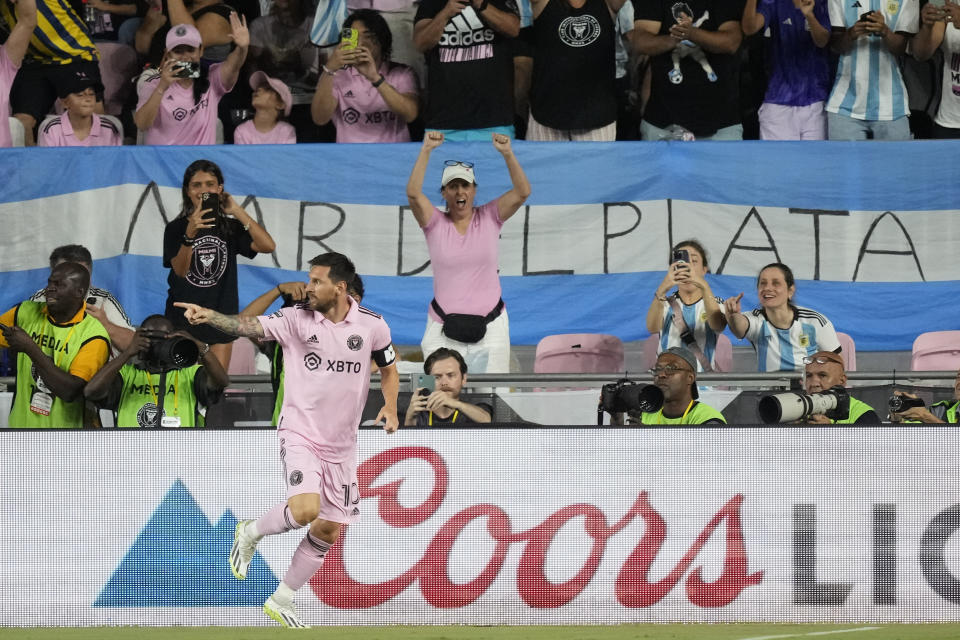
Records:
x=180, y=560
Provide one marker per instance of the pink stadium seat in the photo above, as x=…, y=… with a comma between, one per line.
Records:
x=723, y=359
x=243, y=358
x=579, y=353
x=936, y=351
x=849, y=352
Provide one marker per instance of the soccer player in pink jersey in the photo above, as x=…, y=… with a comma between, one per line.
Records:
x=328, y=344
x=467, y=313
x=11, y=54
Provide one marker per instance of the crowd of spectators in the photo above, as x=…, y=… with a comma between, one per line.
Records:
x=583, y=70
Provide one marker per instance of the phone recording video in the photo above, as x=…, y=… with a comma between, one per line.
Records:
x=349, y=38
x=426, y=384
x=210, y=201
x=681, y=255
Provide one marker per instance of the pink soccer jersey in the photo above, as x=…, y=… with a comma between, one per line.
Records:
x=181, y=119
x=282, y=133
x=362, y=115
x=7, y=74
x=58, y=132
x=327, y=373
x=465, y=278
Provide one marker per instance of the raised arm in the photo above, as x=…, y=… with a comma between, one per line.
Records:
x=16, y=44
x=819, y=33
x=509, y=202
x=259, y=306
x=405, y=105
x=230, y=69
x=726, y=39
x=262, y=240
x=427, y=32
x=248, y=327
x=419, y=202
x=737, y=322
x=503, y=22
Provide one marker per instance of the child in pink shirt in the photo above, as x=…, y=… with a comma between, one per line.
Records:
x=271, y=99
x=179, y=106
x=11, y=53
x=79, y=126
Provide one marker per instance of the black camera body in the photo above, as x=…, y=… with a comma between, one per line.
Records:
x=186, y=69
x=175, y=352
x=626, y=395
x=899, y=404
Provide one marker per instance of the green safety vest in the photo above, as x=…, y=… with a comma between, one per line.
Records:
x=857, y=409
x=137, y=406
x=62, y=343
x=698, y=414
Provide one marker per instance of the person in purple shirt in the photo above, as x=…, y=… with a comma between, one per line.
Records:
x=799, y=66
x=467, y=312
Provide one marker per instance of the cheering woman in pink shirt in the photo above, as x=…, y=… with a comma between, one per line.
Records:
x=467, y=312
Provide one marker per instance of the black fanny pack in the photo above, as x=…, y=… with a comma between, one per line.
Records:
x=464, y=327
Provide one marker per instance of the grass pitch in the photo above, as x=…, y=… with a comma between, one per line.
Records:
x=864, y=631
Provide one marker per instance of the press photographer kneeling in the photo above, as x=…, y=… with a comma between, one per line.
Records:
x=161, y=358
x=826, y=400
x=675, y=378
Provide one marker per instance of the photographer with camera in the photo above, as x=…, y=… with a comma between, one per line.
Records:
x=200, y=248
x=691, y=317
x=179, y=104
x=130, y=383
x=826, y=400
x=908, y=408
x=675, y=376
x=443, y=405
x=824, y=371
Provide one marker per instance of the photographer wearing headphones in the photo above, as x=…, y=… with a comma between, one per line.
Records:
x=943, y=412
x=824, y=370
x=130, y=383
x=443, y=405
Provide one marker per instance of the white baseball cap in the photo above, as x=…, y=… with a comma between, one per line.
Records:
x=457, y=171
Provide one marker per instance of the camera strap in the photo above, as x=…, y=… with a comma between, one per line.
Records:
x=686, y=333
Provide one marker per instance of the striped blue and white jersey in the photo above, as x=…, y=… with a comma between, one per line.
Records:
x=785, y=349
x=695, y=315
x=869, y=85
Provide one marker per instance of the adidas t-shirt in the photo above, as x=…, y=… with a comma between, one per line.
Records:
x=470, y=71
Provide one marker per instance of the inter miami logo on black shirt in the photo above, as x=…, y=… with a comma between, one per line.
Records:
x=354, y=342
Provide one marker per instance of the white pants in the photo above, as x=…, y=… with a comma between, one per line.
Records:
x=490, y=355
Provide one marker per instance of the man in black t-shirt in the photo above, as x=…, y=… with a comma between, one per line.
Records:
x=467, y=44
x=694, y=68
x=443, y=405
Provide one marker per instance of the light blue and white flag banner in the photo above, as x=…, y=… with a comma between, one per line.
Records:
x=871, y=231
x=327, y=22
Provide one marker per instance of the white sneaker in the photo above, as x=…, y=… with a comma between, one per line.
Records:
x=244, y=546
x=285, y=614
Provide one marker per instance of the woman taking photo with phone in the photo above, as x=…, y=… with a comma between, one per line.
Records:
x=368, y=97
x=782, y=334
x=690, y=317
x=200, y=248
x=179, y=104
x=467, y=313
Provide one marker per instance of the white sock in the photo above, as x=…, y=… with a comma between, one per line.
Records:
x=284, y=594
x=251, y=530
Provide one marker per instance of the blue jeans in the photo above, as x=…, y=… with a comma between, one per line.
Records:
x=840, y=127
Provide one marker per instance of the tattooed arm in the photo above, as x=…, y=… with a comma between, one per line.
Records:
x=234, y=325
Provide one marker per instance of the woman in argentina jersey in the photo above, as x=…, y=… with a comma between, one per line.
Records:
x=781, y=333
